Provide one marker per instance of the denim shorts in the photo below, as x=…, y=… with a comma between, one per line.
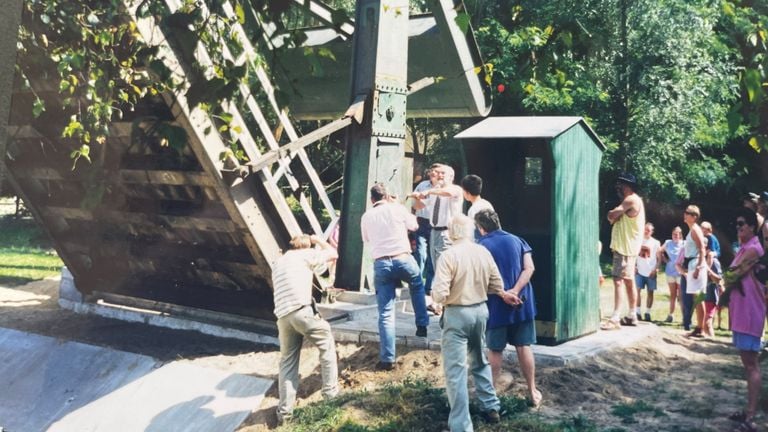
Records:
x=746, y=342
x=645, y=281
x=518, y=334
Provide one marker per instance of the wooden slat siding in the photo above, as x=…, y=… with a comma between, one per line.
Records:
x=176, y=178
x=183, y=272
x=142, y=177
x=262, y=241
x=244, y=303
x=576, y=226
x=266, y=84
x=113, y=216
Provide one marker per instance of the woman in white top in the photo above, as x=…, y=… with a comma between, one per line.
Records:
x=694, y=270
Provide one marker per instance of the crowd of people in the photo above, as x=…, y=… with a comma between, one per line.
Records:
x=477, y=277
x=695, y=277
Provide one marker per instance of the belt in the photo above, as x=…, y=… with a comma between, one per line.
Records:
x=439, y=228
x=391, y=257
x=422, y=218
x=463, y=306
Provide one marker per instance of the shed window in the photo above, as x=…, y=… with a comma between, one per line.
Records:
x=533, y=175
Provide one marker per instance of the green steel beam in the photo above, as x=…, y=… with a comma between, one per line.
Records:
x=374, y=148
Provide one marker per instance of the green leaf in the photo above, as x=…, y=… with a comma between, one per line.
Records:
x=38, y=107
x=753, y=84
x=240, y=12
x=462, y=20
x=326, y=53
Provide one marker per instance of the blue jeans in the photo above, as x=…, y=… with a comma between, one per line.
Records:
x=421, y=254
x=386, y=273
x=464, y=336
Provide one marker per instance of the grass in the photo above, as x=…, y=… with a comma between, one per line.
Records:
x=25, y=253
x=627, y=412
x=414, y=405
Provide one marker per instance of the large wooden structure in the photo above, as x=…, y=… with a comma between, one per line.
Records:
x=543, y=181
x=175, y=224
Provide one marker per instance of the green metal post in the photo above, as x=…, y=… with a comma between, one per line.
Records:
x=374, y=148
x=10, y=17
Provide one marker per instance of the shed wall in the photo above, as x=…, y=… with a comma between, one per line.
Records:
x=575, y=225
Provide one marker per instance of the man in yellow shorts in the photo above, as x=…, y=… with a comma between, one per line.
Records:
x=628, y=221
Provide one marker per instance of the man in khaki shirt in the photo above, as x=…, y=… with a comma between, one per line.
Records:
x=465, y=275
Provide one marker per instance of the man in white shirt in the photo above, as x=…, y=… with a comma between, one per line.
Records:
x=472, y=186
x=447, y=204
x=647, y=264
x=296, y=319
x=385, y=229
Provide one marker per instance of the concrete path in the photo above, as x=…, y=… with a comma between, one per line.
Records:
x=66, y=386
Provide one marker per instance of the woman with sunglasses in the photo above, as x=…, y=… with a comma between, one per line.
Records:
x=693, y=270
x=747, y=312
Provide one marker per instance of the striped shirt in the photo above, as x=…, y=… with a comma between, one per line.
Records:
x=292, y=278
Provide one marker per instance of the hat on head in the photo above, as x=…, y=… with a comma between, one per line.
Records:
x=764, y=196
x=627, y=178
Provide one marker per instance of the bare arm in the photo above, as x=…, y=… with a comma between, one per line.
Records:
x=329, y=252
x=626, y=206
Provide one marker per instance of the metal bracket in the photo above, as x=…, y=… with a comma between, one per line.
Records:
x=389, y=103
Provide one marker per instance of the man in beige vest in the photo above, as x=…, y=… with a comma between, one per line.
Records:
x=628, y=220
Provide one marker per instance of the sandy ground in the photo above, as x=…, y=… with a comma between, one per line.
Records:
x=687, y=385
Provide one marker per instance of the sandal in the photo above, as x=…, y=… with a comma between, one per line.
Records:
x=628, y=321
x=610, y=325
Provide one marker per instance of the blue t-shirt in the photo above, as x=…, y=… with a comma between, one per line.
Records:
x=508, y=250
x=713, y=244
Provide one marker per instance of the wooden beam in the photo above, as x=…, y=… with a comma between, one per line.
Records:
x=164, y=177
x=273, y=156
x=113, y=216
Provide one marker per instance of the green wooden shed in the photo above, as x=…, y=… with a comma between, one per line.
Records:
x=541, y=175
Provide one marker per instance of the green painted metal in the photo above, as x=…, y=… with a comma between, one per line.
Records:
x=575, y=228
x=541, y=175
x=375, y=147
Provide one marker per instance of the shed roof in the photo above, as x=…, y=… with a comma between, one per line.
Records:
x=526, y=127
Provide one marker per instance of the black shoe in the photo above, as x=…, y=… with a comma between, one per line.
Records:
x=421, y=331
x=647, y=317
x=385, y=366
x=492, y=417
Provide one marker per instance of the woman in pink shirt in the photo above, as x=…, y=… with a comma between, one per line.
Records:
x=747, y=312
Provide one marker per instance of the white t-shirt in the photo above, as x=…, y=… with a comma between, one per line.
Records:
x=480, y=204
x=646, y=260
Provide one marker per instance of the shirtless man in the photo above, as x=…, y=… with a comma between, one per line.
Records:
x=628, y=221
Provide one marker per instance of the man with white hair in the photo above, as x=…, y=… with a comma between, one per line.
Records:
x=447, y=199
x=465, y=275
x=297, y=319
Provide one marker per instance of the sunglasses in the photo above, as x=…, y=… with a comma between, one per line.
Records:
x=691, y=214
x=740, y=223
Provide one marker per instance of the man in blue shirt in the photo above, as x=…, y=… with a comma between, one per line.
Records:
x=510, y=322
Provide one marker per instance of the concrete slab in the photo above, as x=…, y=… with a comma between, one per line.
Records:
x=67, y=386
x=587, y=346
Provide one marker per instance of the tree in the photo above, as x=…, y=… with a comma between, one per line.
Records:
x=651, y=76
